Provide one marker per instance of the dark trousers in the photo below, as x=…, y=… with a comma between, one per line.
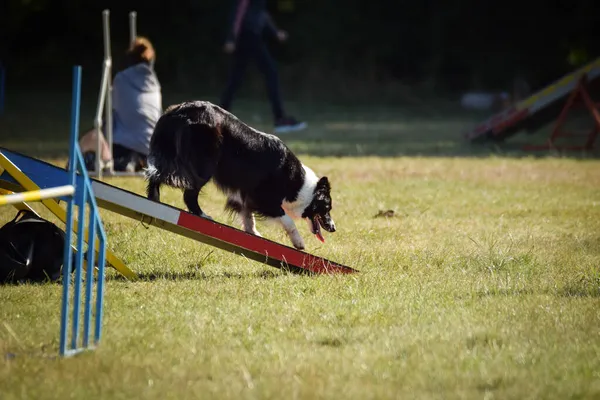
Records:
x=249, y=46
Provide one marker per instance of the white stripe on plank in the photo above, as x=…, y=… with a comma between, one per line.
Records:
x=135, y=203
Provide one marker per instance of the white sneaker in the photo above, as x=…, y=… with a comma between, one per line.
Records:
x=289, y=124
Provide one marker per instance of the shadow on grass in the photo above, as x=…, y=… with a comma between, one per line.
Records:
x=197, y=274
x=331, y=342
x=28, y=282
x=193, y=274
x=505, y=292
x=586, y=287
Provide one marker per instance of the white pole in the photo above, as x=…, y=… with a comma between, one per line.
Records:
x=132, y=26
x=103, y=90
x=108, y=71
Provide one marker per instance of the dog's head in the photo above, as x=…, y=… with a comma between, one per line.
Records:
x=318, y=211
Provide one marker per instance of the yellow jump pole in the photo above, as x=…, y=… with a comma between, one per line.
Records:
x=18, y=206
x=37, y=195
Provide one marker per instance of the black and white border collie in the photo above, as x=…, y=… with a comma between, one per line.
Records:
x=194, y=142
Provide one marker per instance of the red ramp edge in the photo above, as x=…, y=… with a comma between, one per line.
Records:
x=286, y=255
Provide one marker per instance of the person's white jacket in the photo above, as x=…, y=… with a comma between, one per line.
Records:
x=137, y=106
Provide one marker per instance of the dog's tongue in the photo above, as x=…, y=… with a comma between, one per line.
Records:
x=318, y=233
x=320, y=236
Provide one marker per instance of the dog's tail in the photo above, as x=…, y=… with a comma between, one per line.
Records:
x=153, y=178
x=167, y=161
x=182, y=155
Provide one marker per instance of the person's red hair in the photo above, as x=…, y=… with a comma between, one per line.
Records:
x=140, y=50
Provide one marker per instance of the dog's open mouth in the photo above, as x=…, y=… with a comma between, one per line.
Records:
x=316, y=228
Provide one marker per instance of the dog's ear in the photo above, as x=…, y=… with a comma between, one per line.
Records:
x=323, y=184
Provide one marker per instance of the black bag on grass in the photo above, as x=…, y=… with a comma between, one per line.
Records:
x=31, y=248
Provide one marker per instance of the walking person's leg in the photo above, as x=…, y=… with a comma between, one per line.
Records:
x=236, y=76
x=267, y=66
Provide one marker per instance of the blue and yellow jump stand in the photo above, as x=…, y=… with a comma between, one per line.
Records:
x=77, y=193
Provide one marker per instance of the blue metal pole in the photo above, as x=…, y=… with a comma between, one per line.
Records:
x=68, y=252
x=67, y=265
x=75, y=105
x=89, y=278
x=80, y=198
x=100, y=285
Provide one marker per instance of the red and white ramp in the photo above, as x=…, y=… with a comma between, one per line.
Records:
x=178, y=221
x=539, y=104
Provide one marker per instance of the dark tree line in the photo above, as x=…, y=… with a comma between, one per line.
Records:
x=448, y=45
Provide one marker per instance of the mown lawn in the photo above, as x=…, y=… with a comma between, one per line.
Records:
x=485, y=282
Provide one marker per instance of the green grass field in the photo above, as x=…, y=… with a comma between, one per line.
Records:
x=484, y=284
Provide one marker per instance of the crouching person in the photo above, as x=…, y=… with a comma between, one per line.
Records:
x=137, y=106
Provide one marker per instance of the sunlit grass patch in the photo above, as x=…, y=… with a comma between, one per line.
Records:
x=479, y=278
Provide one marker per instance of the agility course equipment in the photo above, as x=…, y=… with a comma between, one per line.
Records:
x=75, y=188
x=37, y=195
x=580, y=97
x=84, y=195
x=543, y=107
x=12, y=178
x=105, y=97
x=180, y=222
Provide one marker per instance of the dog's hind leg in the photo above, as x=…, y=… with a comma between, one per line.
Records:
x=235, y=204
x=190, y=198
x=153, y=190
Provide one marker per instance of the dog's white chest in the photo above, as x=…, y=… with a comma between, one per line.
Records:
x=305, y=195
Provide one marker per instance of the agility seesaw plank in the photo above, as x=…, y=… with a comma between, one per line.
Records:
x=515, y=118
x=183, y=223
x=12, y=177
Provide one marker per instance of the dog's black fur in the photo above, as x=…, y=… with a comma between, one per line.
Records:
x=194, y=142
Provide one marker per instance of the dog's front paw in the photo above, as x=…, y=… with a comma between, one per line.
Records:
x=252, y=231
x=203, y=215
x=298, y=243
